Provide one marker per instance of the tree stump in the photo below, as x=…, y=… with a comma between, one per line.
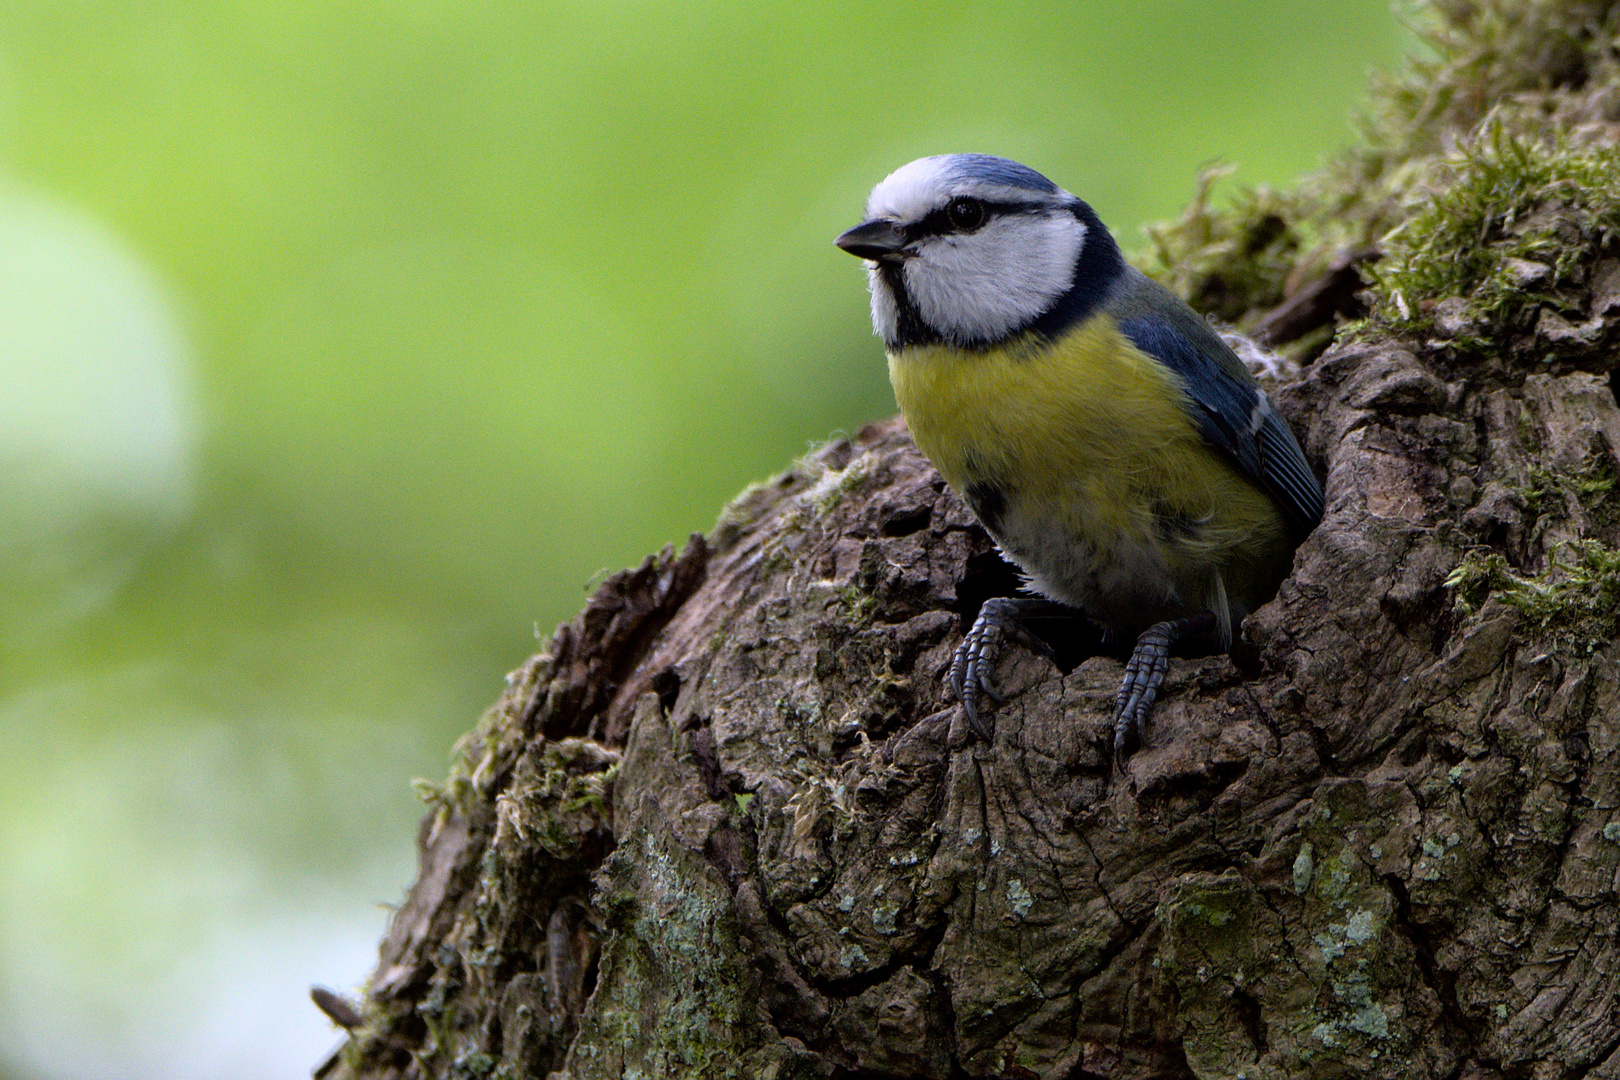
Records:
x=730, y=823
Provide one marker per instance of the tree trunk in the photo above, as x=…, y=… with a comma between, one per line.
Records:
x=730, y=822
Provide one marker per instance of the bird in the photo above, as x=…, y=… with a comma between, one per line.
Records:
x=1111, y=443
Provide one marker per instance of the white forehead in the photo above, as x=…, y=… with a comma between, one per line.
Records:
x=917, y=188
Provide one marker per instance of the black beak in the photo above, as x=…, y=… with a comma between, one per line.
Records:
x=877, y=239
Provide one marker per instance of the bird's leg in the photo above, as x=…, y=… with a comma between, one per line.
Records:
x=999, y=617
x=1144, y=674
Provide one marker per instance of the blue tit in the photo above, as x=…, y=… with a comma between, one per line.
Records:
x=1114, y=447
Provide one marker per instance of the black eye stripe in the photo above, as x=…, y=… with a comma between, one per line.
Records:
x=939, y=223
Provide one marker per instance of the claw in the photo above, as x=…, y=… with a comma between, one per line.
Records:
x=975, y=658
x=1144, y=674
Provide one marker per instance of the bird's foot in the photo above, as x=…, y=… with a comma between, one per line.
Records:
x=999, y=618
x=1144, y=674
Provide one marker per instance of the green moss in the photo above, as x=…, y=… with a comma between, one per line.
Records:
x=1474, y=53
x=437, y=1013
x=436, y=795
x=1552, y=494
x=830, y=485
x=475, y=1065
x=557, y=795
x=1575, y=602
x=1508, y=223
x=1230, y=261
x=1209, y=919
x=477, y=756
x=1500, y=79
x=860, y=604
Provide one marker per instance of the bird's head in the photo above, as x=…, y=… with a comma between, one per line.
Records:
x=969, y=250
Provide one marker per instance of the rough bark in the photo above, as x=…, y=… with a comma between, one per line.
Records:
x=729, y=823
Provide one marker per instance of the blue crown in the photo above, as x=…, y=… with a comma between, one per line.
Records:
x=999, y=170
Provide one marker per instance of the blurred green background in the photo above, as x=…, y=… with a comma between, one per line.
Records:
x=344, y=344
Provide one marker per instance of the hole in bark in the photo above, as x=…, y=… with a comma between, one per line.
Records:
x=494, y=1036
x=593, y=960
x=987, y=574
x=667, y=685
x=1249, y=1012
x=1614, y=385
x=904, y=522
x=1074, y=639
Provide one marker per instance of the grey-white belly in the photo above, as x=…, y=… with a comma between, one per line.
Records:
x=1118, y=578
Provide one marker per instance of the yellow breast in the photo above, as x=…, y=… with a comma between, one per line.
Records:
x=1094, y=448
x=1090, y=409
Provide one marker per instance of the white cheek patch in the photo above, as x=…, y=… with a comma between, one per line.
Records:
x=885, y=313
x=979, y=287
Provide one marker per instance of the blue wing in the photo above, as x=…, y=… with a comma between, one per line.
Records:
x=1232, y=412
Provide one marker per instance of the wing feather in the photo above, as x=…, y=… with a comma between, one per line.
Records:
x=1231, y=410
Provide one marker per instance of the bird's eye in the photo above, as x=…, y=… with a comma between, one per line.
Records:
x=965, y=214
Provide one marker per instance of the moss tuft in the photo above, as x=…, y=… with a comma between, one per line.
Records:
x=1575, y=603
x=1553, y=492
x=557, y=796
x=1527, y=85
x=1507, y=225
x=1231, y=261
x=1483, y=55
